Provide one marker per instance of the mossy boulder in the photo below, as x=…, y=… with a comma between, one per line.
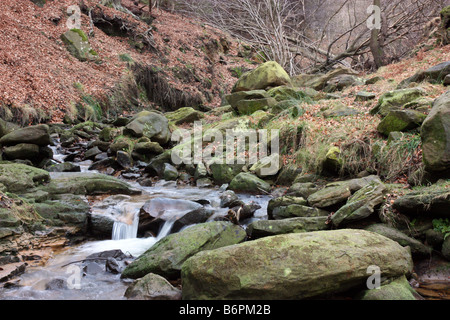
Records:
x=247, y=107
x=361, y=204
x=397, y=289
x=292, y=266
x=267, y=166
x=152, y=287
x=295, y=210
x=168, y=255
x=401, y=120
x=283, y=93
x=184, y=115
x=418, y=249
x=435, y=74
x=24, y=151
x=269, y=74
x=18, y=177
x=87, y=183
x=282, y=202
x=150, y=124
x=265, y=228
x=396, y=99
x=248, y=182
x=38, y=135
x=333, y=162
x=77, y=43
x=432, y=201
x=435, y=134
x=224, y=173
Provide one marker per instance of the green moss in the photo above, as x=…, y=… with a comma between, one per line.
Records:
x=81, y=34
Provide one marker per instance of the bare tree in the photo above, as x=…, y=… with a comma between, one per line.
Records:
x=314, y=35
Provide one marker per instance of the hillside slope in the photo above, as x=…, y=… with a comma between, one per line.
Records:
x=41, y=81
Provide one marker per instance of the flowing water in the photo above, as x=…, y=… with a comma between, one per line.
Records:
x=63, y=277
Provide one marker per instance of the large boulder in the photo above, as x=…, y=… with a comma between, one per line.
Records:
x=418, y=249
x=360, y=205
x=184, y=115
x=18, y=177
x=435, y=133
x=38, y=135
x=435, y=74
x=87, y=183
x=269, y=74
x=167, y=255
x=150, y=124
x=433, y=201
x=396, y=99
x=247, y=182
x=293, y=266
x=152, y=287
x=24, y=151
x=77, y=43
x=265, y=228
x=401, y=120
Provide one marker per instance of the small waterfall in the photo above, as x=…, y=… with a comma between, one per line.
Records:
x=127, y=226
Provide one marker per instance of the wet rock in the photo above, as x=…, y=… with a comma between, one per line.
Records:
x=282, y=202
x=91, y=153
x=193, y=217
x=295, y=210
x=113, y=266
x=170, y=172
x=224, y=173
x=124, y=159
x=87, y=183
x=229, y=199
x=247, y=182
x=152, y=287
x=63, y=167
x=56, y=284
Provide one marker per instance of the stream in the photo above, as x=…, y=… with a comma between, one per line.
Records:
x=65, y=278
x=68, y=276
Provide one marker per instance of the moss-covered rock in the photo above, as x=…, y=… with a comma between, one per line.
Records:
x=224, y=173
x=184, y=115
x=265, y=228
x=397, y=289
x=247, y=182
x=167, y=255
x=282, y=202
x=150, y=124
x=20, y=177
x=360, y=205
x=38, y=135
x=87, y=183
x=394, y=100
x=418, y=249
x=432, y=201
x=152, y=287
x=77, y=43
x=269, y=74
x=24, y=151
x=292, y=266
x=401, y=120
x=247, y=107
x=435, y=134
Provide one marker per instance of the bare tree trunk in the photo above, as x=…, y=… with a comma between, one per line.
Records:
x=376, y=41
